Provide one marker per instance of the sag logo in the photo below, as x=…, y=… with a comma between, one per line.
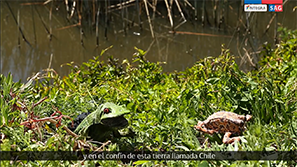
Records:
x=247, y=7
x=275, y=8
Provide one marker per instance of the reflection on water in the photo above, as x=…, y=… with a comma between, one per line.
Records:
x=179, y=50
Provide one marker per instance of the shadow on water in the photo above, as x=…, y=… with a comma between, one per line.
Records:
x=180, y=50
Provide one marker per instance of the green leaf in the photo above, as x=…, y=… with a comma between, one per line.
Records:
x=140, y=162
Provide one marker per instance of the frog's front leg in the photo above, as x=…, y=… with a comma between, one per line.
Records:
x=116, y=134
x=228, y=140
x=119, y=134
x=200, y=126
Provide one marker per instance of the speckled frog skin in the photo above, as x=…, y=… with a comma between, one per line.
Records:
x=224, y=122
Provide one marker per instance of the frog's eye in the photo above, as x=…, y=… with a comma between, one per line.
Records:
x=106, y=110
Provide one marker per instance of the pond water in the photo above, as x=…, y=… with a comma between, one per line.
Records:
x=191, y=42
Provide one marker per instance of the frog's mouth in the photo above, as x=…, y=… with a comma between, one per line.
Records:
x=115, y=122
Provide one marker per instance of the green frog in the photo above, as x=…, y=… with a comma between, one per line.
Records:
x=102, y=124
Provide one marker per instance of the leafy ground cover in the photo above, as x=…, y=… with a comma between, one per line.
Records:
x=164, y=106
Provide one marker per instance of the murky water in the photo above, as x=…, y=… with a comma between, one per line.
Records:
x=179, y=51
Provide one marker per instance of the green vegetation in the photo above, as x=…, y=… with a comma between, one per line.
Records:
x=164, y=107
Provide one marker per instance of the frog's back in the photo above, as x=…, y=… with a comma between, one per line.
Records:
x=224, y=121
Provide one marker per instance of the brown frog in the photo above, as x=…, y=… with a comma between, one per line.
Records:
x=224, y=122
